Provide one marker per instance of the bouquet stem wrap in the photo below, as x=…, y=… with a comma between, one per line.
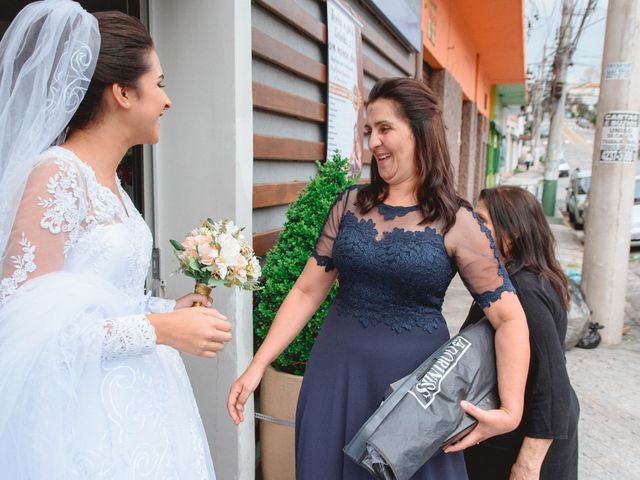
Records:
x=201, y=289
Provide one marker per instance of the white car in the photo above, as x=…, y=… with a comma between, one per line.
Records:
x=577, y=196
x=563, y=168
x=635, y=215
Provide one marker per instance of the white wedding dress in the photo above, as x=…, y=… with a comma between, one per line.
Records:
x=85, y=392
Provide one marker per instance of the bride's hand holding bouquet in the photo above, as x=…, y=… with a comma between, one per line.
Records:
x=217, y=254
x=214, y=254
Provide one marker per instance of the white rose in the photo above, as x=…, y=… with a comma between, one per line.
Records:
x=222, y=270
x=229, y=250
x=255, y=267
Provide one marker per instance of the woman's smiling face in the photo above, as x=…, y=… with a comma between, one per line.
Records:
x=148, y=102
x=391, y=142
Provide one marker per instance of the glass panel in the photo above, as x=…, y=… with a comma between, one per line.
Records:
x=583, y=185
x=131, y=174
x=125, y=172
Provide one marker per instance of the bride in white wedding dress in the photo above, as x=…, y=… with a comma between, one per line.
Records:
x=91, y=382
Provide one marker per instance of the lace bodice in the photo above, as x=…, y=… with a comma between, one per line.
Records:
x=68, y=221
x=393, y=270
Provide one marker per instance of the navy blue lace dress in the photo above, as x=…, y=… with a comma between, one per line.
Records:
x=385, y=320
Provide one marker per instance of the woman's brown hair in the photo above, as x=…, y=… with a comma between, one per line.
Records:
x=523, y=235
x=435, y=189
x=123, y=59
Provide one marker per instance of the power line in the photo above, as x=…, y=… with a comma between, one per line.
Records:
x=602, y=19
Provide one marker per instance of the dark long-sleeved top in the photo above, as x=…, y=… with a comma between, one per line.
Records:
x=551, y=407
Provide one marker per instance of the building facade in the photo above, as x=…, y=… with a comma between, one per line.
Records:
x=248, y=81
x=474, y=60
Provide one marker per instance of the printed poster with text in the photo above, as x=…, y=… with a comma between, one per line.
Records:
x=619, y=137
x=345, y=113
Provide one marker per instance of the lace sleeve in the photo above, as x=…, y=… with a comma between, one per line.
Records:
x=50, y=209
x=127, y=336
x=477, y=258
x=53, y=212
x=323, y=251
x=160, y=305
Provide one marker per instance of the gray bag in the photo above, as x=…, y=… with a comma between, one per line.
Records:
x=578, y=316
x=422, y=414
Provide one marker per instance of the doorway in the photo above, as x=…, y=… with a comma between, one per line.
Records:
x=131, y=171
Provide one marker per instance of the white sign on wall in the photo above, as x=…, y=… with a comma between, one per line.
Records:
x=620, y=136
x=617, y=71
x=345, y=117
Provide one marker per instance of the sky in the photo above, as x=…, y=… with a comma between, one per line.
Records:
x=542, y=23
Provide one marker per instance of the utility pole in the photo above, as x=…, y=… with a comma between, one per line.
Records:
x=538, y=97
x=607, y=236
x=566, y=47
x=558, y=95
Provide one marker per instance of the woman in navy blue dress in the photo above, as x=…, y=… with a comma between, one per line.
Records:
x=395, y=245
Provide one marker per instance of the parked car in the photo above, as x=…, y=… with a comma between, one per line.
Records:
x=577, y=195
x=563, y=168
x=635, y=214
x=544, y=130
x=584, y=123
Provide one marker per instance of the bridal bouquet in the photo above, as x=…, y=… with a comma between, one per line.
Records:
x=217, y=254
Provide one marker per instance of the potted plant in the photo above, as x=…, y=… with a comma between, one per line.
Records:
x=284, y=263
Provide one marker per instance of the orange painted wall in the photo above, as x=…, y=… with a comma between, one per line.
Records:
x=484, y=94
x=436, y=54
x=454, y=51
x=459, y=52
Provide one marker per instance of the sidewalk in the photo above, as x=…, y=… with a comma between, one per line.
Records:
x=606, y=379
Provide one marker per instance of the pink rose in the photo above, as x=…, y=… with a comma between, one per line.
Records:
x=206, y=259
x=203, y=239
x=241, y=261
x=206, y=250
x=189, y=242
x=186, y=254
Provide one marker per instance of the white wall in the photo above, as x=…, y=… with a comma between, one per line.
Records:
x=204, y=169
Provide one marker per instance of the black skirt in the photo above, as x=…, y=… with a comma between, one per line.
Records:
x=551, y=408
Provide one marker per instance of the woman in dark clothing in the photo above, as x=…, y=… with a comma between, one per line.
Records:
x=395, y=243
x=545, y=444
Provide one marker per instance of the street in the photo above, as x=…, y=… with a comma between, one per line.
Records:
x=578, y=144
x=578, y=153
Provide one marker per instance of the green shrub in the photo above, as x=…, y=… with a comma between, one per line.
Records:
x=285, y=261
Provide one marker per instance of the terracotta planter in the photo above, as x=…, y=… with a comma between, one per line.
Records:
x=278, y=399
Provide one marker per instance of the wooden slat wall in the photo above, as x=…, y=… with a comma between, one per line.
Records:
x=291, y=13
x=274, y=100
x=371, y=36
x=374, y=70
x=283, y=56
x=271, y=194
x=276, y=148
x=263, y=241
x=283, y=34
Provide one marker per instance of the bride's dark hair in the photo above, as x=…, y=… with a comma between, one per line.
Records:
x=435, y=189
x=124, y=47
